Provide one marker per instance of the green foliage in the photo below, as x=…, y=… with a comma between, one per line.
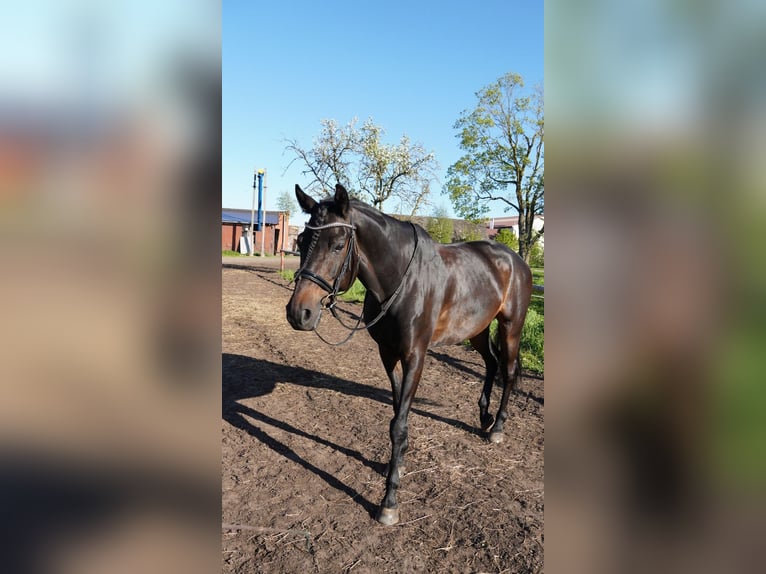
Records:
x=286, y=202
x=537, y=255
x=440, y=229
x=507, y=238
x=532, y=346
x=533, y=342
x=230, y=253
x=502, y=138
x=471, y=234
x=356, y=294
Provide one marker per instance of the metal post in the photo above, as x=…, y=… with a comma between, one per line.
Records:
x=252, y=217
x=262, y=174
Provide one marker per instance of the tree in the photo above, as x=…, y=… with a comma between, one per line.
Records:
x=507, y=238
x=401, y=170
x=369, y=168
x=440, y=226
x=286, y=202
x=502, y=138
x=330, y=158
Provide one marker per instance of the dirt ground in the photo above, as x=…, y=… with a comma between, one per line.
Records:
x=305, y=445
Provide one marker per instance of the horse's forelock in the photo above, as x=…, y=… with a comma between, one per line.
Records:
x=319, y=215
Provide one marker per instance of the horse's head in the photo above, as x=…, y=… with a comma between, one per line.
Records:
x=328, y=258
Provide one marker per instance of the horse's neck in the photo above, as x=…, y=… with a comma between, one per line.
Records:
x=384, y=253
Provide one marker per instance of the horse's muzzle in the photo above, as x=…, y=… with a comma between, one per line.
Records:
x=300, y=317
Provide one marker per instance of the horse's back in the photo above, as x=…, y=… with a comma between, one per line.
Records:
x=481, y=257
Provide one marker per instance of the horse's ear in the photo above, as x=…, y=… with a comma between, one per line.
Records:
x=305, y=201
x=341, y=199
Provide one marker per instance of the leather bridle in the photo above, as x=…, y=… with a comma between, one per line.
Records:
x=333, y=290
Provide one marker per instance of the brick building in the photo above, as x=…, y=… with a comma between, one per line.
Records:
x=235, y=223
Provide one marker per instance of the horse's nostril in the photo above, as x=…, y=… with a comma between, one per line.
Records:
x=306, y=316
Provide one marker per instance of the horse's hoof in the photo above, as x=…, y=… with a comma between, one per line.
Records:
x=486, y=423
x=388, y=516
x=496, y=437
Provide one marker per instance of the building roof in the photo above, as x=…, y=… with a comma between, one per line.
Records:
x=244, y=216
x=500, y=222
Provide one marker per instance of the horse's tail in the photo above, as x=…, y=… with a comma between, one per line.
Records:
x=494, y=347
x=516, y=371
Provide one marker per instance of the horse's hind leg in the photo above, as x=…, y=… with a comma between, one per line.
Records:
x=483, y=345
x=509, y=337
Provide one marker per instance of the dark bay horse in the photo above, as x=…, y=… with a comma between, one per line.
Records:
x=419, y=294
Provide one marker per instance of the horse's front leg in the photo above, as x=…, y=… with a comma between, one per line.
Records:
x=412, y=368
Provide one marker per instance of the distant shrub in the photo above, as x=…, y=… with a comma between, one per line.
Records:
x=440, y=229
x=471, y=234
x=508, y=238
x=537, y=255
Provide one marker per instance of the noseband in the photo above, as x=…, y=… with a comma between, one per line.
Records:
x=328, y=301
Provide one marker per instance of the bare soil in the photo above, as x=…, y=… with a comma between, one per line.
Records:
x=305, y=446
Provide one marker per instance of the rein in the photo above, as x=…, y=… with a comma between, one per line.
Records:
x=333, y=289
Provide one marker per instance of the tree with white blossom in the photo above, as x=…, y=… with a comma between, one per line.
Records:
x=369, y=168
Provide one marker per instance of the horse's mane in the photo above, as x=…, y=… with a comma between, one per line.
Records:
x=378, y=216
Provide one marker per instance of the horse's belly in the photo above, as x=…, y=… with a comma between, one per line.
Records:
x=468, y=303
x=456, y=328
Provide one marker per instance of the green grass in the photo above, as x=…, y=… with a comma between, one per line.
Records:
x=354, y=295
x=532, y=341
x=230, y=253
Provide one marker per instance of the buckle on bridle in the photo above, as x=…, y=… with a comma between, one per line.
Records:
x=333, y=300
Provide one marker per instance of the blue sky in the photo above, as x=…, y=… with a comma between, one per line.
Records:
x=412, y=67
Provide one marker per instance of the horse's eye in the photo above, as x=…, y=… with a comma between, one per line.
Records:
x=337, y=248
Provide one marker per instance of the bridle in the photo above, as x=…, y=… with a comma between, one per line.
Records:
x=329, y=301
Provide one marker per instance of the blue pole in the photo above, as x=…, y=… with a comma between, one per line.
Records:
x=260, y=200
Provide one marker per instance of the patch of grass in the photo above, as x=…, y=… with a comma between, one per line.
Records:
x=230, y=253
x=538, y=299
x=356, y=294
x=532, y=341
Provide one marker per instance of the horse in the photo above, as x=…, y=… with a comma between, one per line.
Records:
x=420, y=294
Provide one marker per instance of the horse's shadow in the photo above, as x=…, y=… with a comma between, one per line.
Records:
x=247, y=377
